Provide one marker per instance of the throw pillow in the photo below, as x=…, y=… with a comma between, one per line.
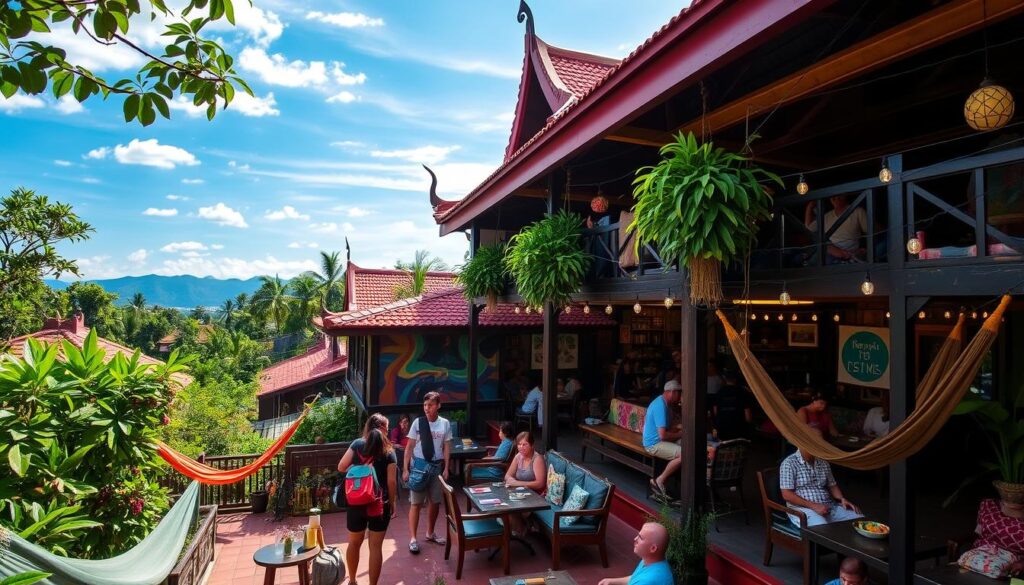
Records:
x=577, y=497
x=556, y=486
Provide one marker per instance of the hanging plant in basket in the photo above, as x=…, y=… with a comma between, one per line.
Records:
x=547, y=260
x=700, y=205
x=484, y=275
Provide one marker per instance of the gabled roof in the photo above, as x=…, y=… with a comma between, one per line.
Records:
x=314, y=365
x=442, y=309
x=373, y=287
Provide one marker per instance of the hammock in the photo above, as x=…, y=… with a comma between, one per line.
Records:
x=147, y=563
x=211, y=475
x=938, y=394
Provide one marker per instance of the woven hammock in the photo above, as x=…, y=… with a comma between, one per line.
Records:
x=147, y=563
x=938, y=394
x=211, y=475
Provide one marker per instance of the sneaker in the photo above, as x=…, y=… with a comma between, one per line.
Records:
x=414, y=547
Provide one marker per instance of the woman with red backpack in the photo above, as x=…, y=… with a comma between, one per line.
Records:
x=374, y=470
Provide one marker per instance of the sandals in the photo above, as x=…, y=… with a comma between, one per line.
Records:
x=436, y=539
x=657, y=489
x=414, y=547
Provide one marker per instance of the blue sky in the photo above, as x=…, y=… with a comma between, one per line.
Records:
x=350, y=98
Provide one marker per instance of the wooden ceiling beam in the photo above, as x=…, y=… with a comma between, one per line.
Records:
x=641, y=136
x=929, y=30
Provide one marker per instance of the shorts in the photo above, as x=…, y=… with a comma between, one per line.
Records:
x=665, y=450
x=357, y=521
x=433, y=490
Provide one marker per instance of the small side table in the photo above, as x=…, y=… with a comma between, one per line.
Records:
x=272, y=557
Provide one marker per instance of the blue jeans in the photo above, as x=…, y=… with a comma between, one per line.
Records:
x=836, y=513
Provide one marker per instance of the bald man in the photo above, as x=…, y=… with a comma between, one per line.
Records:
x=650, y=544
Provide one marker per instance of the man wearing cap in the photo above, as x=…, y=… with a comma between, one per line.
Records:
x=659, y=439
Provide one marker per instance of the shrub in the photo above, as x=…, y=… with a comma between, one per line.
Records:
x=335, y=421
x=547, y=260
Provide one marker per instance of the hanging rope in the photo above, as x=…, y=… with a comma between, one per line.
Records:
x=941, y=390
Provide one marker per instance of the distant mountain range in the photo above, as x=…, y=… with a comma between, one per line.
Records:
x=182, y=292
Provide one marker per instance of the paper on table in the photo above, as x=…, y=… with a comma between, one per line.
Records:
x=490, y=502
x=480, y=490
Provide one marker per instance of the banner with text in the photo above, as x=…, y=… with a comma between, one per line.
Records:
x=864, y=356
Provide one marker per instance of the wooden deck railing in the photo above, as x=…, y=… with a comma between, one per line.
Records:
x=235, y=496
x=199, y=555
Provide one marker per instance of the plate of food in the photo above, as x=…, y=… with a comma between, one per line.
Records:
x=871, y=529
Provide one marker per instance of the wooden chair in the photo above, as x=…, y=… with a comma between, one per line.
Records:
x=778, y=529
x=476, y=531
x=727, y=471
x=488, y=462
x=520, y=417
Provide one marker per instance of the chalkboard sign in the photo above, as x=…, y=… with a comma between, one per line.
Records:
x=864, y=356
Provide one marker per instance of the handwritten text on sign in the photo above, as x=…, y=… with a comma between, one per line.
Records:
x=864, y=356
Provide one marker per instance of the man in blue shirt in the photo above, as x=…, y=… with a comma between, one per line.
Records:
x=852, y=571
x=650, y=544
x=660, y=440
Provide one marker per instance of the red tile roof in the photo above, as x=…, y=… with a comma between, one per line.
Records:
x=579, y=72
x=75, y=331
x=581, y=101
x=373, y=287
x=445, y=308
x=314, y=365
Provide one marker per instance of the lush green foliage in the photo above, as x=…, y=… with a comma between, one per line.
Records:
x=484, y=274
x=190, y=65
x=331, y=280
x=418, y=269
x=1004, y=430
x=30, y=228
x=334, y=420
x=687, y=543
x=547, y=260
x=77, y=437
x=273, y=299
x=699, y=202
x=213, y=418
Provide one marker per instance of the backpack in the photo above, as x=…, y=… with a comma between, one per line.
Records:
x=361, y=484
x=327, y=567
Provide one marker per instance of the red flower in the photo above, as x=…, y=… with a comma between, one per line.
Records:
x=137, y=505
x=165, y=420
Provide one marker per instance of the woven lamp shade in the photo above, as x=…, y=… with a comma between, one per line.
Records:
x=599, y=204
x=989, y=107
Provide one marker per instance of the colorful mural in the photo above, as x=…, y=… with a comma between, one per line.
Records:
x=412, y=365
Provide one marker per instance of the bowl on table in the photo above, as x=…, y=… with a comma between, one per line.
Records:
x=871, y=529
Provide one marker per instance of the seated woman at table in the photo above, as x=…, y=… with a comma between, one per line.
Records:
x=399, y=434
x=816, y=416
x=527, y=470
x=500, y=454
x=572, y=385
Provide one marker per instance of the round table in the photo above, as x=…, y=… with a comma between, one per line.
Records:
x=272, y=557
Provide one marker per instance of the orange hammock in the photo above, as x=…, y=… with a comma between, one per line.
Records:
x=213, y=476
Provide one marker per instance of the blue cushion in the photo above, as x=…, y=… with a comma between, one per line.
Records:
x=782, y=523
x=598, y=491
x=573, y=476
x=487, y=473
x=576, y=500
x=556, y=460
x=547, y=518
x=480, y=528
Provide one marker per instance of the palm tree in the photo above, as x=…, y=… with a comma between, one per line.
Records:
x=226, y=313
x=138, y=303
x=417, y=270
x=306, y=294
x=272, y=300
x=331, y=279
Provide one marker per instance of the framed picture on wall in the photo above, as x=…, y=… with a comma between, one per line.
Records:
x=802, y=334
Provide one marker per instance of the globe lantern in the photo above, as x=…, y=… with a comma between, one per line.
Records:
x=989, y=107
x=599, y=204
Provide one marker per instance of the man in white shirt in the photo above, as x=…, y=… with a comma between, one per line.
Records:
x=876, y=423
x=845, y=241
x=440, y=438
x=535, y=403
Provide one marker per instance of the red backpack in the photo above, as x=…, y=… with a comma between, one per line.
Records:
x=362, y=487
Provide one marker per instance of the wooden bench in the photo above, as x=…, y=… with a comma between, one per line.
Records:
x=622, y=443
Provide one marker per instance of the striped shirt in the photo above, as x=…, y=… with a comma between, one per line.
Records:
x=810, y=481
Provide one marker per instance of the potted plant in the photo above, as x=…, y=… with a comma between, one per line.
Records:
x=484, y=275
x=1004, y=431
x=700, y=205
x=457, y=418
x=687, y=545
x=547, y=260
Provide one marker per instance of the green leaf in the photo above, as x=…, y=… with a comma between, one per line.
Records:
x=131, y=107
x=14, y=460
x=25, y=578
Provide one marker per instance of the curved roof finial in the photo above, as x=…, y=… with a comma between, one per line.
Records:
x=434, y=199
x=526, y=14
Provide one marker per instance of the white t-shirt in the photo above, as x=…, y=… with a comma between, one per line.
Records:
x=847, y=236
x=714, y=384
x=874, y=426
x=440, y=430
x=572, y=387
x=535, y=403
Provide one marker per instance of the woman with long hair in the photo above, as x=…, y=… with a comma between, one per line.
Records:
x=526, y=470
x=374, y=447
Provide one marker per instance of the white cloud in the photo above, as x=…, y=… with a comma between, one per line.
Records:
x=262, y=26
x=68, y=105
x=216, y=246
x=324, y=228
x=62, y=163
x=276, y=69
x=173, y=197
x=91, y=180
x=138, y=256
x=235, y=165
x=192, y=182
x=454, y=179
x=255, y=107
x=358, y=212
x=190, y=246
x=286, y=212
x=382, y=243
x=193, y=254
x=160, y=212
x=342, y=78
x=236, y=267
x=96, y=267
x=148, y=153
x=345, y=19
x=429, y=154
x=348, y=227
x=223, y=215
x=347, y=144
x=499, y=123
x=303, y=245
x=342, y=97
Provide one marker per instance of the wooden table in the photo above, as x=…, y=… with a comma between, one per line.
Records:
x=951, y=575
x=531, y=503
x=559, y=578
x=272, y=557
x=460, y=453
x=843, y=539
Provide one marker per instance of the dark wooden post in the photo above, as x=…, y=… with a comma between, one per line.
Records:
x=556, y=185
x=694, y=444
x=902, y=510
x=471, y=370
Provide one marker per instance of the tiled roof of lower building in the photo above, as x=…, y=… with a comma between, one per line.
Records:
x=314, y=365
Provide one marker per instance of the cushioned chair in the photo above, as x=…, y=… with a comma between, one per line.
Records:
x=527, y=418
x=488, y=462
x=473, y=531
x=778, y=529
x=727, y=471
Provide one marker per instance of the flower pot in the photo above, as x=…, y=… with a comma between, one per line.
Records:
x=259, y=501
x=1011, y=498
x=705, y=281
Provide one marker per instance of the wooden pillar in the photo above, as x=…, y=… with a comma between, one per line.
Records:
x=693, y=473
x=902, y=511
x=471, y=370
x=550, y=376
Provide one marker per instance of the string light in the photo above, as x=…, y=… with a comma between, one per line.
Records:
x=669, y=301
x=766, y=316
x=947, y=314
x=794, y=316
x=984, y=315
x=636, y=307
x=835, y=317
x=517, y=309
x=801, y=186
x=540, y=310
x=814, y=317
x=529, y=309
x=784, y=298
x=914, y=246
x=608, y=309
x=586, y=308
x=974, y=314
x=921, y=315
x=867, y=287
x=568, y=309
x=885, y=175
x=753, y=316
x=888, y=315
x=781, y=317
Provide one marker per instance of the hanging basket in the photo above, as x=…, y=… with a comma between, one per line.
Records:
x=705, y=281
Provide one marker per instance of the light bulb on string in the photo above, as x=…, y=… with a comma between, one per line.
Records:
x=781, y=317
x=586, y=308
x=753, y=316
x=888, y=315
x=867, y=287
x=517, y=309
x=885, y=175
x=984, y=315
x=814, y=317
x=914, y=246
x=947, y=315
x=794, y=317
x=766, y=316
x=801, y=185
x=608, y=309
x=637, y=308
x=568, y=309
x=974, y=314
x=835, y=317
x=921, y=315
x=784, y=298
x=529, y=309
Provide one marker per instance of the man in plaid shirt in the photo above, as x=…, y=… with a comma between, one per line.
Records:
x=807, y=485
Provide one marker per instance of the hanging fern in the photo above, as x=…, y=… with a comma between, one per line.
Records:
x=547, y=260
x=484, y=275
